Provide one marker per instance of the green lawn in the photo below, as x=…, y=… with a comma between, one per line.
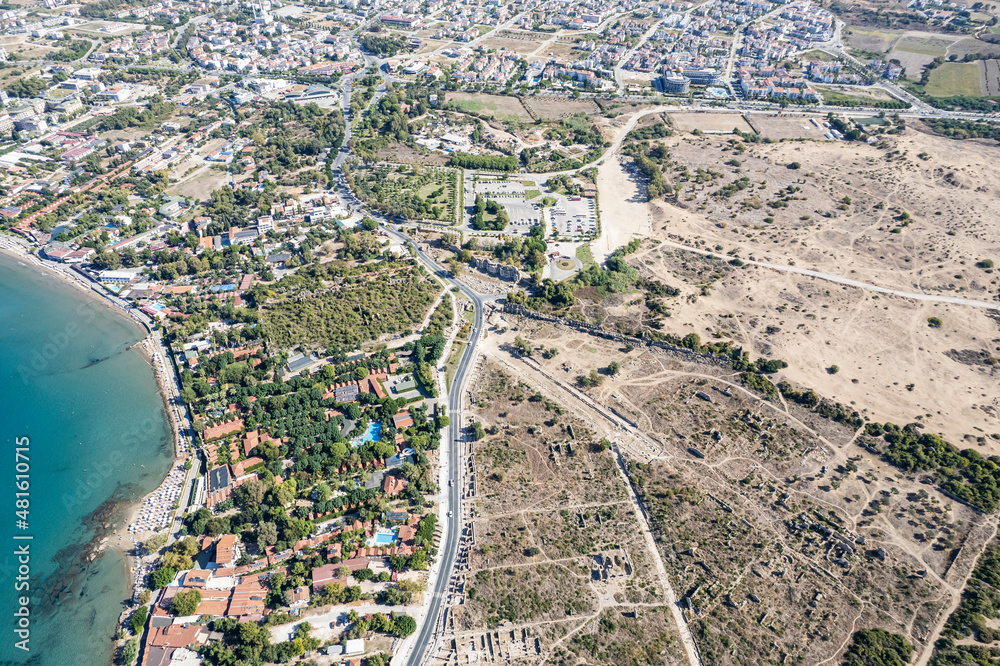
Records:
x=925, y=45
x=584, y=254
x=814, y=54
x=532, y=194
x=955, y=78
x=451, y=367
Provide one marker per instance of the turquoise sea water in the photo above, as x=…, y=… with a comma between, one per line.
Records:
x=94, y=417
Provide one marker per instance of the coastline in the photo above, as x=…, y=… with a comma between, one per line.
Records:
x=112, y=532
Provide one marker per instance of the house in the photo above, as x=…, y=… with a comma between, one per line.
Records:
x=227, y=550
x=408, y=384
x=402, y=420
x=116, y=277
x=406, y=534
x=116, y=94
x=298, y=597
x=347, y=393
x=324, y=575
x=88, y=73
x=219, y=480
x=401, y=21
x=393, y=485
x=164, y=643
x=222, y=429
x=278, y=257
x=300, y=362
x=239, y=236
x=197, y=578
x=247, y=602
x=240, y=468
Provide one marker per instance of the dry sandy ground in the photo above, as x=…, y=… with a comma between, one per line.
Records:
x=709, y=122
x=893, y=366
x=656, y=392
x=622, y=201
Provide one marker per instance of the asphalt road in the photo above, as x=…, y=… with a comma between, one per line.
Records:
x=452, y=525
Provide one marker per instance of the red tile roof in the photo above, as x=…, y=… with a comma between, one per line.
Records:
x=393, y=485
x=225, y=549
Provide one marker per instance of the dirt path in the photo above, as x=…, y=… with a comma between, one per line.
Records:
x=925, y=656
x=624, y=212
x=851, y=283
x=661, y=571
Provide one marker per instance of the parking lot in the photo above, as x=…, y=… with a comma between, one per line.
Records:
x=574, y=217
x=571, y=217
x=523, y=215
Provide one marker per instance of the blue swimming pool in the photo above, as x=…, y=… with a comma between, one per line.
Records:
x=382, y=539
x=372, y=434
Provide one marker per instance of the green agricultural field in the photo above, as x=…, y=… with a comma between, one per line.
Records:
x=870, y=40
x=501, y=107
x=954, y=79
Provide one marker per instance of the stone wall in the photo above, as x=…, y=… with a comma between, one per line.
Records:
x=680, y=353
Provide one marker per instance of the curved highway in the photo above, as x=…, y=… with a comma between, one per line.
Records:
x=453, y=499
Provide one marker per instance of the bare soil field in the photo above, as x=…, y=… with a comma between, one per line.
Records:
x=880, y=216
x=130, y=134
x=614, y=106
x=970, y=45
x=557, y=109
x=858, y=91
x=28, y=50
x=524, y=36
x=710, y=122
x=116, y=28
x=915, y=49
x=492, y=106
x=10, y=75
x=403, y=154
x=199, y=185
x=560, y=50
x=520, y=46
x=627, y=207
x=549, y=508
x=780, y=127
x=989, y=77
x=913, y=63
x=782, y=536
x=431, y=45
